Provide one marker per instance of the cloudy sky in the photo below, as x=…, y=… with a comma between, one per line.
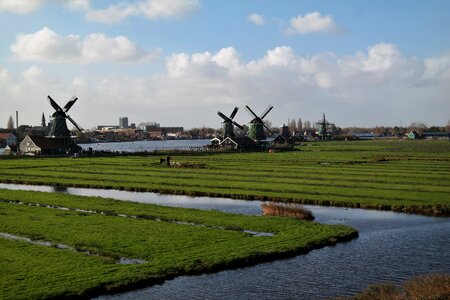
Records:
x=177, y=62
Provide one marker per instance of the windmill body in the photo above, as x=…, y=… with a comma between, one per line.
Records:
x=59, y=125
x=228, y=124
x=322, y=130
x=256, y=125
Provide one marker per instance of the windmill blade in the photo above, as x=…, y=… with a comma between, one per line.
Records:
x=251, y=112
x=223, y=116
x=234, y=113
x=54, y=104
x=75, y=124
x=268, y=109
x=70, y=103
x=268, y=129
x=238, y=125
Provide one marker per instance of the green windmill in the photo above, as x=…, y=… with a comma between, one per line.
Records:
x=229, y=123
x=322, y=130
x=256, y=128
x=59, y=126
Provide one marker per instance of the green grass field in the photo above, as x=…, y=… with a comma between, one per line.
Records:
x=172, y=241
x=410, y=176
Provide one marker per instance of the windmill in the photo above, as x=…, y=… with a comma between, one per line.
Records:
x=256, y=128
x=59, y=125
x=228, y=123
x=322, y=128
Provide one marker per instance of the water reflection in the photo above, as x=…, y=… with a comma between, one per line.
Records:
x=59, y=189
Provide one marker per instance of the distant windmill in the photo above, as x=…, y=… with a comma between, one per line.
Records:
x=59, y=125
x=256, y=128
x=228, y=123
x=322, y=128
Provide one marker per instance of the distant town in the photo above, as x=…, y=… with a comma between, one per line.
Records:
x=296, y=129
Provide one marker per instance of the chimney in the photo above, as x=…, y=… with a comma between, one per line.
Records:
x=17, y=119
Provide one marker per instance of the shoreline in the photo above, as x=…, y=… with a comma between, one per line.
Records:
x=426, y=210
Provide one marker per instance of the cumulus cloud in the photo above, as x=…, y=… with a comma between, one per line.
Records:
x=256, y=19
x=312, y=23
x=150, y=9
x=20, y=6
x=82, y=5
x=376, y=87
x=28, y=6
x=46, y=45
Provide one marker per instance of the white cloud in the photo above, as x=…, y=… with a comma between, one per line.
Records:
x=311, y=23
x=46, y=45
x=29, y=6
x=377, y=87
x=82, y=5
x=150, y=9
x=256, y=19
x=20, y=6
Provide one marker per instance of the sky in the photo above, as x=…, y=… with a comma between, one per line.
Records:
x=178, y=62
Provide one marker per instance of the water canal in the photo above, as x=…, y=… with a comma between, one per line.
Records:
x=390, y=247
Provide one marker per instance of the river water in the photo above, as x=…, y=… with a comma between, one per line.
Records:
x=390, y=247
x=140, y=146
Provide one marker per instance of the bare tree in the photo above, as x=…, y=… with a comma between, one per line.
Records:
x=10, y=124
x=299, y=125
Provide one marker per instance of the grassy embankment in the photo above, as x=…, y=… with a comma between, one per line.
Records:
x=408, y=176
x=205, y=241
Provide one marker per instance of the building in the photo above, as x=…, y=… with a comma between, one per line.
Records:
x=123, y=123
x=413, y=135
x=155, y=131
x=41, y=145
x=10, y=150
x=436, y=135
x=239, y=143
x=107, y=127
x=8, y=138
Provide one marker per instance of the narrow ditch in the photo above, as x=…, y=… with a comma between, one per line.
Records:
x=119, y=260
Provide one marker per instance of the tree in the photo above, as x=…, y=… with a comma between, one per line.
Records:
x=419, y=127
x=43, y=124
x=299, y=125
x=10, y=124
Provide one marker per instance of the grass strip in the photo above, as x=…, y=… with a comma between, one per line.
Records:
x=169, y=249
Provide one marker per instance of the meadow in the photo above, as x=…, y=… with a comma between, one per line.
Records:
x=167, y=242
x=405, y=176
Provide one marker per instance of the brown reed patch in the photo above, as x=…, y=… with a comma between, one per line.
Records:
x=426, y=287
x=294, y=210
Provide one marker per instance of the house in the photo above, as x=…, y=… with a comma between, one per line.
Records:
x=413, y=135
x=240, y=143
x=41, y=145
x=8, y=138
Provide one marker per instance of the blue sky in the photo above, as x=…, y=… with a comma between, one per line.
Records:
x=176, y=62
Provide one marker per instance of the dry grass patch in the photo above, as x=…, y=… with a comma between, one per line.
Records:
x=294, y=210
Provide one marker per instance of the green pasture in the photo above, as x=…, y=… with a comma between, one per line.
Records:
x=411, y=176
x=172, y=241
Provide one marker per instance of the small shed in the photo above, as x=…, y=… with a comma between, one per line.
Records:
x=10, y=150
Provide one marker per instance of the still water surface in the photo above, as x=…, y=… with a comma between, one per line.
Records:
x=390, y=247
x=140, y=146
